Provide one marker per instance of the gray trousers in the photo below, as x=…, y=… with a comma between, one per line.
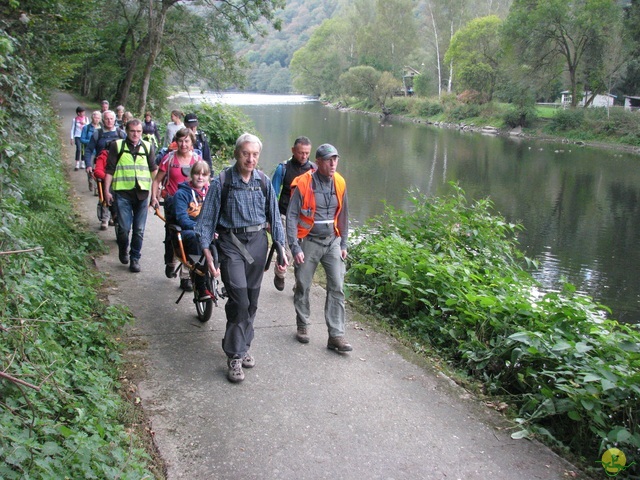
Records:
x=242, y=281
x=329, y=255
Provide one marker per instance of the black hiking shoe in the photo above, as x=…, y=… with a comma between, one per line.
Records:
x=134, y=266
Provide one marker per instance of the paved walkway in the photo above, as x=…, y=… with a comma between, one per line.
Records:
x=303, y=412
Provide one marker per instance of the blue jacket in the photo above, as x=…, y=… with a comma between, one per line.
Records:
x=180, y=206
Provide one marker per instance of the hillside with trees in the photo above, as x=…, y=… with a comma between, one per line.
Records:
x=132, y=52
x=268, y=57
x=516, y=52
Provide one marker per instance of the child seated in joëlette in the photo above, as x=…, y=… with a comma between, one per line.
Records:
x=185, y=208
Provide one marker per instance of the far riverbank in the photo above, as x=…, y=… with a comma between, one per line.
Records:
x=494, y=125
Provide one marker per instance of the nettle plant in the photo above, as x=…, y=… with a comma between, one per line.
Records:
x=450, y=275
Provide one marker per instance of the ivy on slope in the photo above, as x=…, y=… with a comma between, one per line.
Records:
x=449, y=274
x=59, y=409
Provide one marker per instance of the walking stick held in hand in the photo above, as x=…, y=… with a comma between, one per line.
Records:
x=156, y=211
x=275, y=246
x=100, y=193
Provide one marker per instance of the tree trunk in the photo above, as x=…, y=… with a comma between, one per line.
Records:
x=574, y=87
x=156, y=31
x=125, y=86
x=435, y=33
x=450, y=84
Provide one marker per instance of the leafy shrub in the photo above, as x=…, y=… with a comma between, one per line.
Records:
x=449, y=274
x=424, y=85
x=399, y=105
x=565, y=120
x=472, y=96
x=426, y=108
x=519, y=117
x=462, y=111
x=223, y=124
x=448, y=101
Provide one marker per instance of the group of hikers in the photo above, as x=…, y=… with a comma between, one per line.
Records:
x=304, y=208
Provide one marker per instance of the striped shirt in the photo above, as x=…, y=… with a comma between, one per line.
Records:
x=245, y=206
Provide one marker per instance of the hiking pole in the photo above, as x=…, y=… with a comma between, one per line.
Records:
x=157, y=213
x=270, y=256
x=100, y=194
x=275, y=246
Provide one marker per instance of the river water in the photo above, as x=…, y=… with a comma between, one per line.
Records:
x=580, y=206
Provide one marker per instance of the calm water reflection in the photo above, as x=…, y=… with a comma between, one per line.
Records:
x=580, y=206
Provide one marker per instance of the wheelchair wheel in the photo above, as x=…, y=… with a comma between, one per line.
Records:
x=204, y=308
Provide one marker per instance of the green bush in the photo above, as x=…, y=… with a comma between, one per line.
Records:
x=519, y=117
x=223, y=124
x=566, y=120
x=399, y=105
x=426, y=108
x=450, y=275
x=464, y=111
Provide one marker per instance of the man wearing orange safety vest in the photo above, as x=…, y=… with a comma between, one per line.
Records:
x=317, y=231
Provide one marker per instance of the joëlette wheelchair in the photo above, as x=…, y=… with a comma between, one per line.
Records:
x=197, y=267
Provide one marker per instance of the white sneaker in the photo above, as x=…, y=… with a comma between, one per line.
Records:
x=103, y=225
x=82, y=165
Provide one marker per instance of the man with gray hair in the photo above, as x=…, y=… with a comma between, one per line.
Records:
x=101, y=140
x=240, y=204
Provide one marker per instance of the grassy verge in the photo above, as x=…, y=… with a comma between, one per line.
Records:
x=61, y=415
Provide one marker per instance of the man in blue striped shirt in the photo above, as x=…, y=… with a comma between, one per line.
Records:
x=239, y=210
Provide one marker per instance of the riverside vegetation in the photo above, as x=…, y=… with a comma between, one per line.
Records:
x=449, y=276
x=60, y=412
x=614, y=127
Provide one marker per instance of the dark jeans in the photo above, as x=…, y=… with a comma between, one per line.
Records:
x=242, y=281
x=132, y=213
x=78, y=148
x=169, y=237
x=191, y=243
